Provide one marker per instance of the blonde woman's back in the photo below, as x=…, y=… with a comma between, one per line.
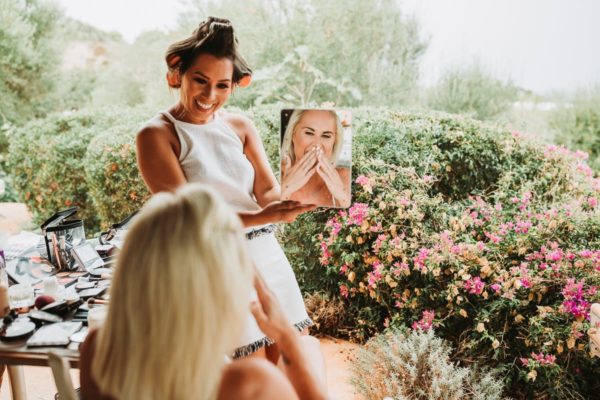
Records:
x=172, y=316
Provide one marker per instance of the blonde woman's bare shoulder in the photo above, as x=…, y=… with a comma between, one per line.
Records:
x=255, y=379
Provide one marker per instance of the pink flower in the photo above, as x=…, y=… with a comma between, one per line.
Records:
x=556, y=255
x=379, y=243
x=344, y=291
x=325, y=255
x=585, y=169
x=592, y=202
x=525, y=282
x=474, y=285
x=426, y=321
x=399, y=268
x=375, y=276
x=357, y=213
x=397, y=241
x=362, y=180
x=376, y=228
x=335, y=226
x=420, y=259
x=544, y=359
x=523, y=226
x=365, y=183
x=495, y=287
x=575, y=303
x=493, y=238
x=586, y=253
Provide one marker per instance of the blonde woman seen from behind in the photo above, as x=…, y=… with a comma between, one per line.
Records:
x=172, y=316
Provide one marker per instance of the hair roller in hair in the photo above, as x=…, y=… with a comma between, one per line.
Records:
x=245, y=81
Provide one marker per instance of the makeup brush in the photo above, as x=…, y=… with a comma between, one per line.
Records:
x=96, y=301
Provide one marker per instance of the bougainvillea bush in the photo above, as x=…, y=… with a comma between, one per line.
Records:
x=477, y=232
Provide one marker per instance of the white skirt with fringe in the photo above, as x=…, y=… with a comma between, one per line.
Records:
x=269, y=258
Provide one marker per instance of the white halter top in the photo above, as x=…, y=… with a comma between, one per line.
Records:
x=213, y=154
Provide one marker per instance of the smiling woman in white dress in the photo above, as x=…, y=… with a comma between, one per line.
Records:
x=195, y=141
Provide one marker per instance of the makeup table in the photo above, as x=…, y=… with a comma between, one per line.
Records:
x=15, y=354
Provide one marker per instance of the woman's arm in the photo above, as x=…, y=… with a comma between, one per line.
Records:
x=89, y=387
x=278, y=211
x=157, y=157
x=266, y=188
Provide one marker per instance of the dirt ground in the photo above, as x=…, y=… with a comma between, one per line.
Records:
x=40, y=384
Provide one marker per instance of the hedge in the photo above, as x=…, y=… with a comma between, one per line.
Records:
x=50, y=170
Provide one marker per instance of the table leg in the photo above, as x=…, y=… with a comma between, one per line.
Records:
x=17, y=382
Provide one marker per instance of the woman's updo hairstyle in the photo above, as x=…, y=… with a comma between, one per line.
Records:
x=216, y=37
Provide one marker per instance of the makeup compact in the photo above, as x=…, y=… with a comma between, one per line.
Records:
x=43, y=316
x=86, y=257
x=17, y=330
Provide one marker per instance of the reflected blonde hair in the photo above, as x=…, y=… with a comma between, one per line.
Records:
x=287, y=145
x=179, y=299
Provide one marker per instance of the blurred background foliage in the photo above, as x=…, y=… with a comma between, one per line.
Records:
x=350, y=53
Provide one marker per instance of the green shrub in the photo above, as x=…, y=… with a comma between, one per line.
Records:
x=47, y=161
x=115, y=184
x=472, y=91
x=417, y=366
x=577, y=125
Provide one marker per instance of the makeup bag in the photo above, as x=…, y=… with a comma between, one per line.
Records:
x=61, y=235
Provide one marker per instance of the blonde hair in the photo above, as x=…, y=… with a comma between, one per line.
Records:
x=179, y=299
x=287, y=145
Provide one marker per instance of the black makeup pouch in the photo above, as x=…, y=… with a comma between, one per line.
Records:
x=61, y=234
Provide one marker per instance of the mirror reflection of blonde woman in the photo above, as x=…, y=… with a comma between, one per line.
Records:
x=311, y=146
x=178, y=303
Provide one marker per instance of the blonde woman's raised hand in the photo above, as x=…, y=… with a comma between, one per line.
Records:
x=301, y=357
x=268, y=313
x=294, y=177
x=332, y=180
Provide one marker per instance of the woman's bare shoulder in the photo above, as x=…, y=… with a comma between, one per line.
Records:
x=238, y=120
x=156, y=136
x=254, y=379
x=242, y=125
x=156, y=127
